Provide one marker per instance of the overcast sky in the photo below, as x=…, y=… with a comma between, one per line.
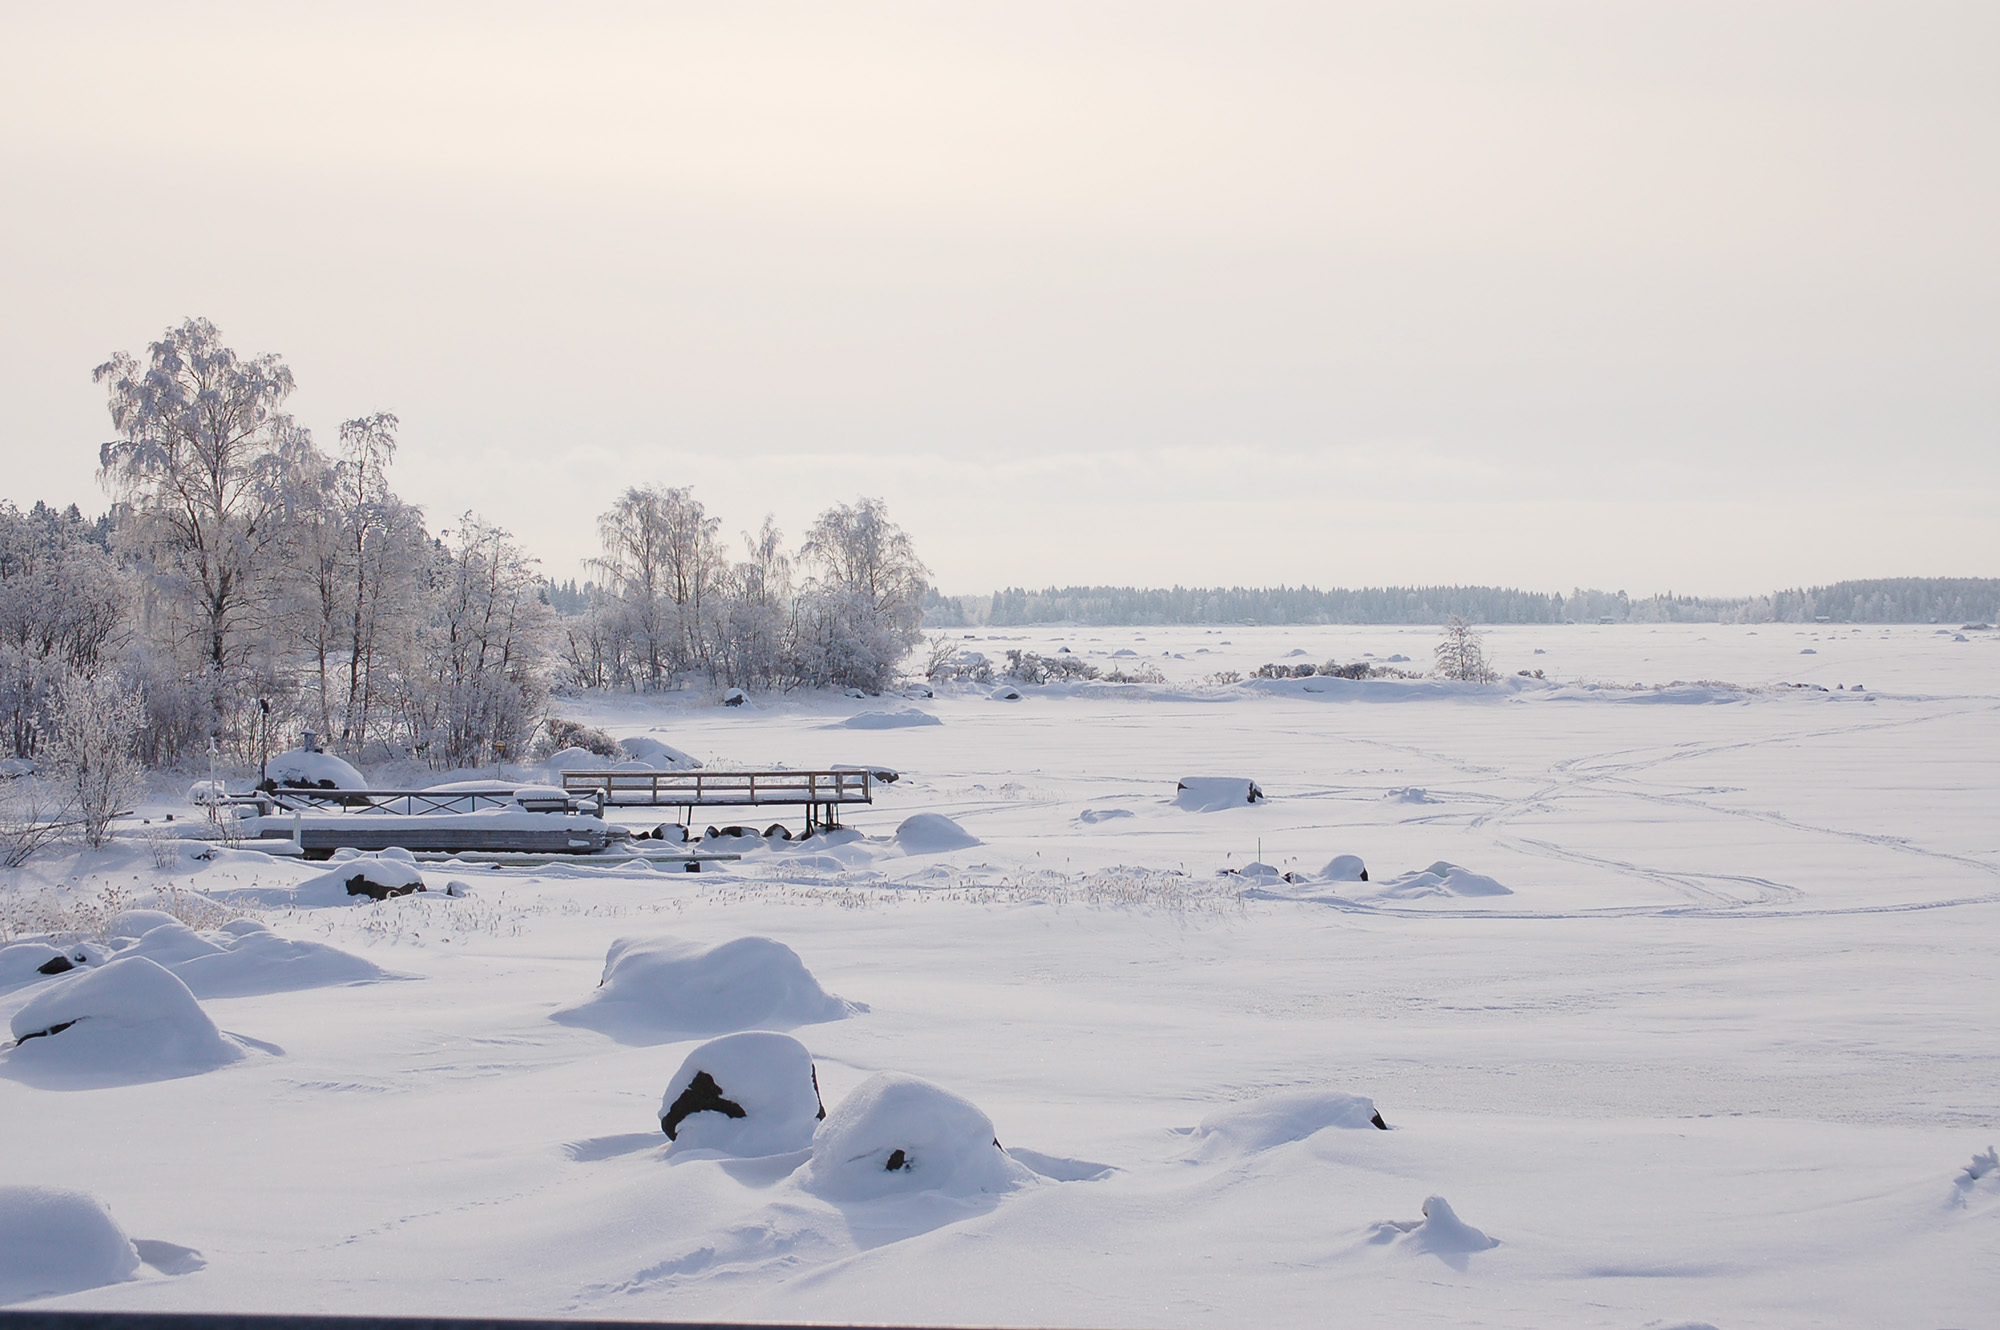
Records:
x=1679, y=296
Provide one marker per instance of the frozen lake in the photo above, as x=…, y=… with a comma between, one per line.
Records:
x=1722, y=1051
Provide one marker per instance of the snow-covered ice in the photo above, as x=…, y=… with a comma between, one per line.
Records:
x=1722, y=1054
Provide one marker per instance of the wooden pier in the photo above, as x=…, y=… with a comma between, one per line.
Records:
x=821, y=793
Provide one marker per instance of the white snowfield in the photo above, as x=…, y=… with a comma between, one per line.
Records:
x=1678, y=1006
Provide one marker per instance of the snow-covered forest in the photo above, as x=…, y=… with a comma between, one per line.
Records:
x=1877, y=600
x=251, y=581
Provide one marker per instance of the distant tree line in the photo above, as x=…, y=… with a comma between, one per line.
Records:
x=1893, y=600
x=248, y=584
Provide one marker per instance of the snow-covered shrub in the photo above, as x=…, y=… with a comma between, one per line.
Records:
x=1462, y=654
x=91, y=754
x=898, y=1134
x=560, y=734
x=754, y=1093
x=31, y=817
x=1032, y=668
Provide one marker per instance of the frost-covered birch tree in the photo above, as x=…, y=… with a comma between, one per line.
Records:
x=199, y=470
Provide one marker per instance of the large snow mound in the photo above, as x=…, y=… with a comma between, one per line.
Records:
x=660, y=988
x=1278, y=1119
x=933, y=833
x=1440, y=879
x=300, y=769
x=125, y=1021
x=657, y=755
x=54, y=1242
x=887, y=720
x=745, y=1095
x=898, y=1134
x=1209, y=794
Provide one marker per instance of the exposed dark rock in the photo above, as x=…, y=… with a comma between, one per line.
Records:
x=703, y=1095
x=57, y=1028
x=359, y=885
x=897, y=1161
x=1377, y=1120
x=55, y=965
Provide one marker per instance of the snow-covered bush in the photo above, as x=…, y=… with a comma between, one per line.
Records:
x=96, y=719
x=1030, y=667
x=1462, y=654
x=560, y=734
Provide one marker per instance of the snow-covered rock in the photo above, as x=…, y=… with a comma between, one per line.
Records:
x=888, y=720
x=660, y=988
x=305, y=770
x=1345, y=868
x=1260, y=1124
x=353, y=879
x=32, y=959
x=1090, y=816
x=933, y=833
x=735, y=697
x=1006, y=693
x=126, y=1020
x=54, y=1242
x=898, y=1134
x=745, y=1094
x=657, y=755
x=1210, y=794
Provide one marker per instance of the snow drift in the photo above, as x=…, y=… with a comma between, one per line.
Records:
x=1209, y=794
x=898, y=1134
x=1278, y=1119
x=1440, y=1232
x=660, y=988
x=54, y=1242
x=125, y=1021
x=933, y=833
x=745, y=1095
x=887, y=720
x=1440, y=879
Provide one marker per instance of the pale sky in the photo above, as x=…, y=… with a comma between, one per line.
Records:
x=1700, y=297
